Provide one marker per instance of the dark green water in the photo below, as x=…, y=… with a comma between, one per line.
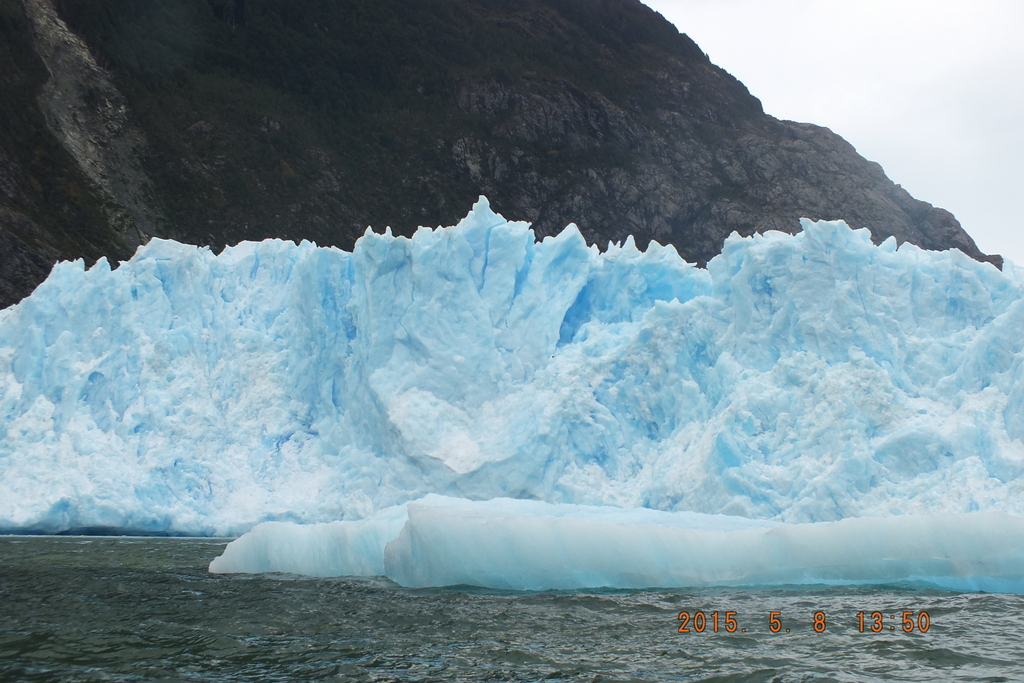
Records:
x=127, y=609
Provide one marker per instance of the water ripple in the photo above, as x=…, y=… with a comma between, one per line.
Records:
x=143, y=609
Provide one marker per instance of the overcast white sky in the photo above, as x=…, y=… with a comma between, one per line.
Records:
x=933, y=90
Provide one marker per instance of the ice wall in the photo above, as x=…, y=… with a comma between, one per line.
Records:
x=799, y=378
x=529, y=545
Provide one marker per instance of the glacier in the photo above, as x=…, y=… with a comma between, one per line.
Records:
x=803, y=379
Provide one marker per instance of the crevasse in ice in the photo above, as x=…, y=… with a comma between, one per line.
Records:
x=805, y=378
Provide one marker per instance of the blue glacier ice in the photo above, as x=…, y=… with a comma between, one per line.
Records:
x=798, y=379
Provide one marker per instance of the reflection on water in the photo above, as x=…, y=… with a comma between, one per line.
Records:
x=126, y=609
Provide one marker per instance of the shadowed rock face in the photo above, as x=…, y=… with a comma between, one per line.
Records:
x=89, y=116
x=689, y=179
x=214, y=121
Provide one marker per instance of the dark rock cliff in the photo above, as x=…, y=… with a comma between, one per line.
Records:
x=214, y=121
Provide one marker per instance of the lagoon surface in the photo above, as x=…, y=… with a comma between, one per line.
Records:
x=133, y=609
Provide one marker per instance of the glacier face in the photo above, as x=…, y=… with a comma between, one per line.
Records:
x=799, y=378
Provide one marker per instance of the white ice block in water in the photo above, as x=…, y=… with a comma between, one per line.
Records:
x=330, y=549
x=529, y=545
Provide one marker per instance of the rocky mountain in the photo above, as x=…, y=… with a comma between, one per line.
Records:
x=214, y=121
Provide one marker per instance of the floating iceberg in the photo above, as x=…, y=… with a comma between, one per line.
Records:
x=529, y=545
x=799, y=379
